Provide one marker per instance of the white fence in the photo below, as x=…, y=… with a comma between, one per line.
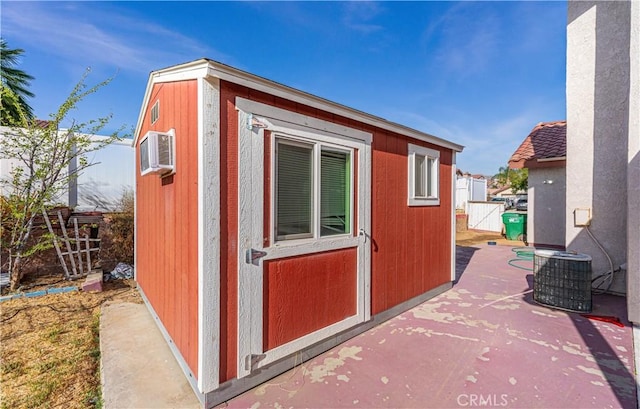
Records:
x=98, y=187
x=470, y=189
x=485, y=216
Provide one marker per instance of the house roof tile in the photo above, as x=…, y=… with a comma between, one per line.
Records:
x=546, y=140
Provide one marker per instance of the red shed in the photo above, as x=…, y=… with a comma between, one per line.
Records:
x=270, y=222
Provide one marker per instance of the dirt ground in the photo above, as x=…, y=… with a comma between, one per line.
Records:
x=49, y=345
x=471, y=237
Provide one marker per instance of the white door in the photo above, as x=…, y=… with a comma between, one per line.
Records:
x=304, y=214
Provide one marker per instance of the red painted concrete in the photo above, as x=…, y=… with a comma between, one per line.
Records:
x=483, y=343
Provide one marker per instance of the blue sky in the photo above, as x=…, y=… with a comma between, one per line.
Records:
x=481, y=74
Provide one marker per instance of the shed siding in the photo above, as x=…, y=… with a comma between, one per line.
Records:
x=167, y=221
x=228, y=232
x=411, y=245
x=306, y=293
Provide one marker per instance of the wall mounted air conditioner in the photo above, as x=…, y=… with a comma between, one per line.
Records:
x=157, y=153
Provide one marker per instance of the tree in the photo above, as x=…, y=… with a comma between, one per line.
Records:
x=15, y=85
x=43, y=152
x=519, y=179
x=502, y=177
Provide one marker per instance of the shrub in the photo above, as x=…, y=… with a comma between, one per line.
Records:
x=117, y=232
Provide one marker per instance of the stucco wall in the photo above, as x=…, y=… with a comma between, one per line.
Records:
x=597, y=129
x=547, y=204
x=633, y=173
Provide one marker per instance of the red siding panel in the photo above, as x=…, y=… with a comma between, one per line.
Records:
x=167, y=222
x=413, y=244
x=410, y=245
x=405, y=263
x=306, y=293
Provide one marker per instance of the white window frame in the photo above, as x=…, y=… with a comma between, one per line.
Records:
x=318, y=143
x=255, y=118
x=432, y=172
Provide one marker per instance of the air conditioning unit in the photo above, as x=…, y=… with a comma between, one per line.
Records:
x=562, y=280
x=157, y=153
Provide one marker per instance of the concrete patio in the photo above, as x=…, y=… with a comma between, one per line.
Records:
x=483, y=343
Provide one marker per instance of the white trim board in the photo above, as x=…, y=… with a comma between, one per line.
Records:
x=292, y=120
x=453, y=216
x=635, y=332
x=174, y=349
x=208, y=234
x=206, y=67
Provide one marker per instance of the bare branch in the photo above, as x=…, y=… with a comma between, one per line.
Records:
x=45, y=154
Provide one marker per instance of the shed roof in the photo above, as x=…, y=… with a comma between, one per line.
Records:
x=546, y=143
x=206, y=68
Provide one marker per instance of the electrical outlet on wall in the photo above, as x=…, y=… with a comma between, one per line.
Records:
x=582, y=217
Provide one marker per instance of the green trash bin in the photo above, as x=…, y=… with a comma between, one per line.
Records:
x=515, y=226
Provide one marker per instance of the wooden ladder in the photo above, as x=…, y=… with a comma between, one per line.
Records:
x=73, y=245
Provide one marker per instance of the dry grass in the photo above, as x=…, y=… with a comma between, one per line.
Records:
x=50, y=349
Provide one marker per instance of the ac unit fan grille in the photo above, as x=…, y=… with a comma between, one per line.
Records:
x=165, y=150
x=562, y=283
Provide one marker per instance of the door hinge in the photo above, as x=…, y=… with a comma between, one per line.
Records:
x=252, y=360
x=253, y=256
x=253, y=122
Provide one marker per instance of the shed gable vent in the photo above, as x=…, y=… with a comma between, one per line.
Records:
x=155, y=112
x=157, y=153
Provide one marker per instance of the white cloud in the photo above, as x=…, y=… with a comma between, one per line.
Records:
x=464, y=41
x=76, y=33
x=357, y=16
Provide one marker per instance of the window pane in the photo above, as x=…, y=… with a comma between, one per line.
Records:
x=419, y=176
x=335, y=193
x=430, y=177
x=294, y=182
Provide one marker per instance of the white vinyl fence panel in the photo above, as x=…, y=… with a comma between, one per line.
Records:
x=98, y=187
x=462, y=193
x=469, y=189
x=478, y=190
x=485, y=216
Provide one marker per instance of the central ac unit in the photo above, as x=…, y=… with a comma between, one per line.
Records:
x=562, y=280
x=157, y=153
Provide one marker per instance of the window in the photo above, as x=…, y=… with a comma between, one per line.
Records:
x=313, y=189
x=335, y=192
x=423, y=176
